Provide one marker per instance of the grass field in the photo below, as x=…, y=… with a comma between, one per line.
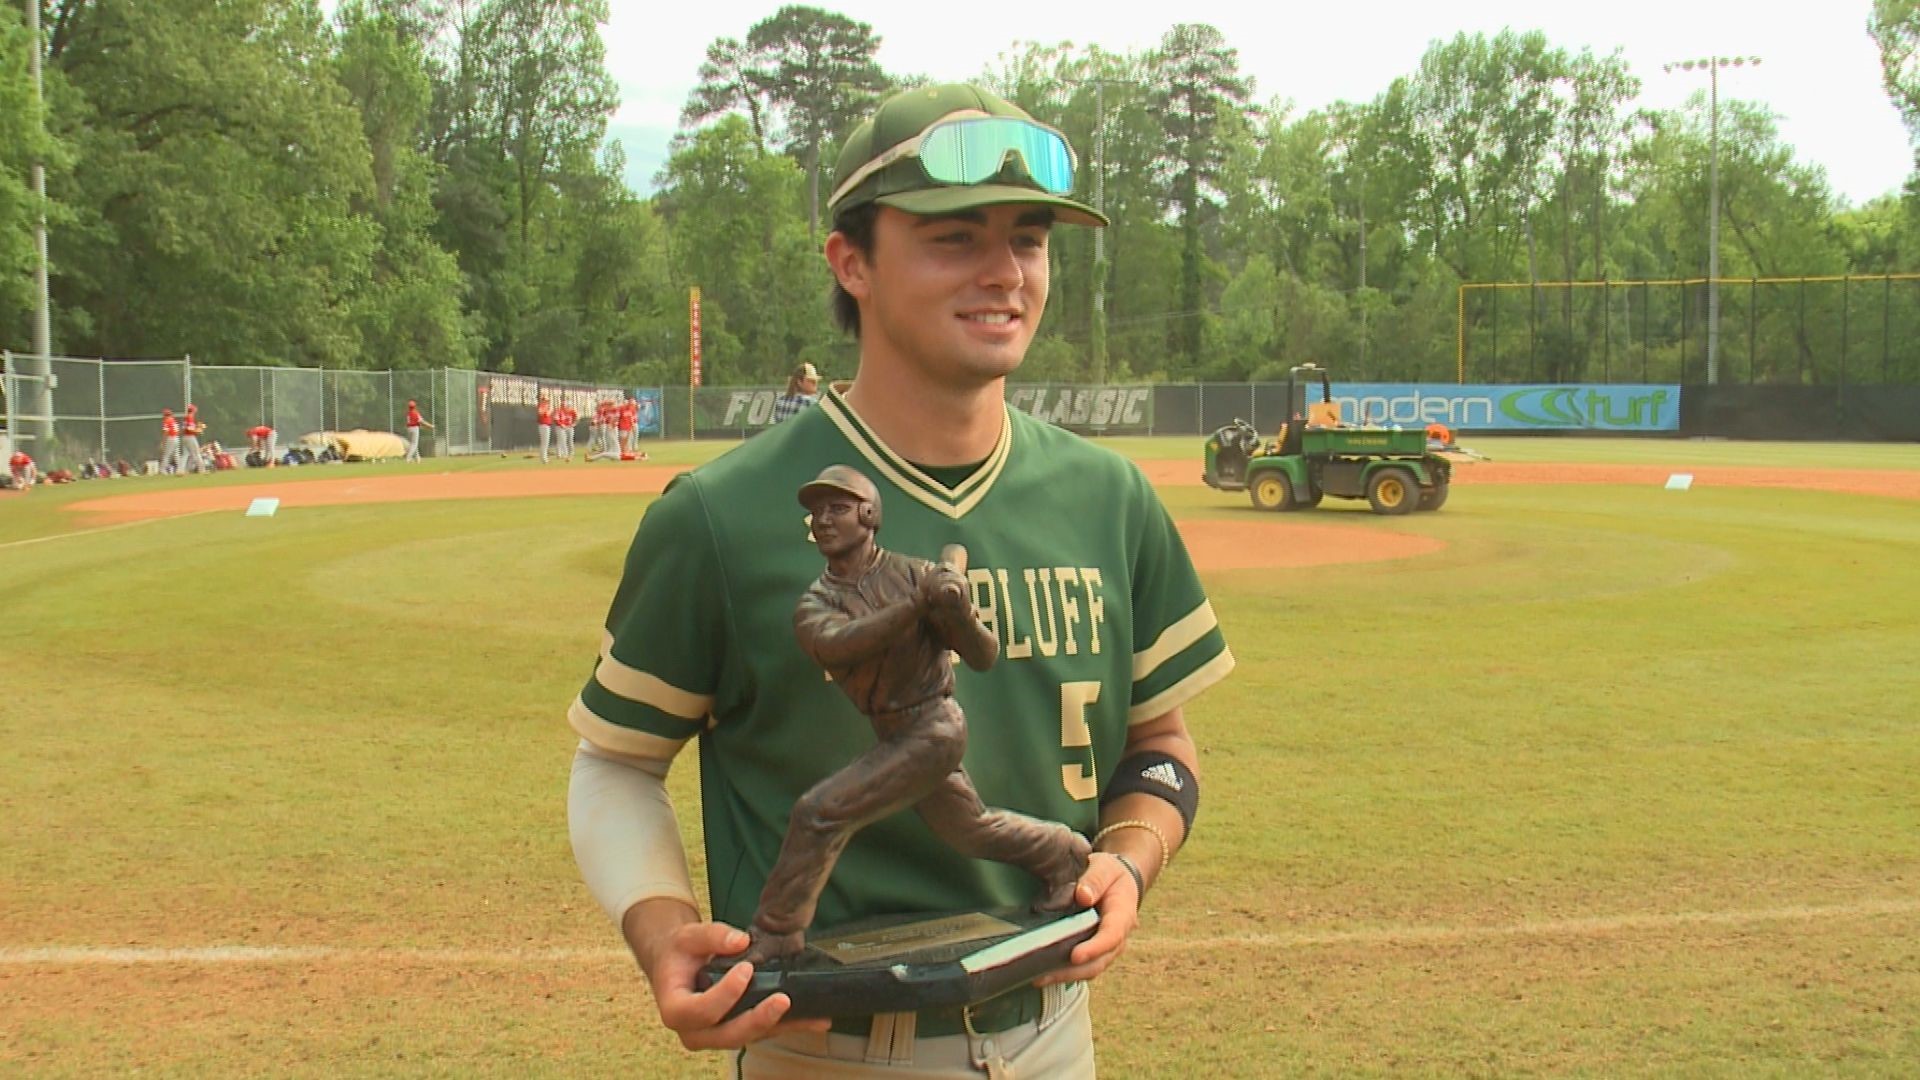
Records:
x=1623, y=781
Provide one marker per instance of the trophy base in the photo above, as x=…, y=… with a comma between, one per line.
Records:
x=910, y=962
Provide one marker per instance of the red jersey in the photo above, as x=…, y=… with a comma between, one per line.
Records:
x=169, y=427
x=567, y=417
x=413, y=416
x=629, y=415
x=546, y=415
x=19, y=460
x=261, y=432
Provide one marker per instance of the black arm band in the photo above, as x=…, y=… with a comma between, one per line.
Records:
x=1161, y=775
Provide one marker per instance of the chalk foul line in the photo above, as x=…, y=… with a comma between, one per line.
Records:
x=1590, y=926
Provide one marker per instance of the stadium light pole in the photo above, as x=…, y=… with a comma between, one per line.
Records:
x=1712, y=66
x=36, y=405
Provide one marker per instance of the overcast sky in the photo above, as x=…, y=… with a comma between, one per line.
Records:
x=1821, y=72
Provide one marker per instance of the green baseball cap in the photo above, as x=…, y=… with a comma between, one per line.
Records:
x=880, y=161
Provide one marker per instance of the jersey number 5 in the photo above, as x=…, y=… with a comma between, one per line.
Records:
x=1081, y=779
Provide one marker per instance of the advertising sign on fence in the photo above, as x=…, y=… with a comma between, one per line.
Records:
x=648, y=420
x=1530, y=407
x=1100, y=410
x=1087, y=408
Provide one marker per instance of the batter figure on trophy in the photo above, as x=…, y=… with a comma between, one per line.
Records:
x=881, y=624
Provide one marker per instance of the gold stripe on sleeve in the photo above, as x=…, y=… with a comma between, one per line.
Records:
x=619, y=741
x=1183, y=691
x=636, y=685
x=1174, y=640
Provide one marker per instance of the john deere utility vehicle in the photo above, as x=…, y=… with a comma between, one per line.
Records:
x=1314, y=454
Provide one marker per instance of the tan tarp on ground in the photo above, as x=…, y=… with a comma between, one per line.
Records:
x=359, y=444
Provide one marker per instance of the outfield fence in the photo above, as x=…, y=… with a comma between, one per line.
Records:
x=108, y=410
x=1846, y=329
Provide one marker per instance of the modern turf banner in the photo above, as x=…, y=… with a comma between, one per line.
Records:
x=1531, y=407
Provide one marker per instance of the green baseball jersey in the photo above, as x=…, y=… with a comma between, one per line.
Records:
x=1074, y=565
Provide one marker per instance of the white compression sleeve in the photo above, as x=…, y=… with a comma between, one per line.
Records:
x=625, y=835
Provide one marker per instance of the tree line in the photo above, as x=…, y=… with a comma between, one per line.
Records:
x=409, y=183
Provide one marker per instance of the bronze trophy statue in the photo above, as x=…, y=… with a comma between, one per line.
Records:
x=882, y=625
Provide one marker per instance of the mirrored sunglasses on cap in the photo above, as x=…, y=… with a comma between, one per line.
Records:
x=969, y=149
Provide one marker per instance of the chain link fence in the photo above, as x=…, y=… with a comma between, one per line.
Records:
x=1805, y=331
x=110, y=410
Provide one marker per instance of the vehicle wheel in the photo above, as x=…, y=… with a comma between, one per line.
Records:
x=1434, y=499
x=1393, y=490
x=1271, y=490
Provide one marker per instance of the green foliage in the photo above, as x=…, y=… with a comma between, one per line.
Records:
x=804, y=76
x=422, y=182
x=20, y=140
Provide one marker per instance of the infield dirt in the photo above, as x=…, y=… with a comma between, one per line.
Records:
x=1215, y=545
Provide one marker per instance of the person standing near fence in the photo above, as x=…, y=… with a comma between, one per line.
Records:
x=190, y=429
x=604, y=417
x=414, y=423
x=543, y=415
x=803, y=389
x=169, y=441
x=629, y=420
x=569, y=419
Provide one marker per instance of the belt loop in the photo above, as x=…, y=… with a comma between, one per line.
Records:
x=890, y=1039
x=906, y=1028
x=880, y=1038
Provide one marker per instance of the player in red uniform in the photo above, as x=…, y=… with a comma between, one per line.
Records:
x=169, y=441
x=266, y=442
x=565, y=418
x=25, y=473
x=605, y=416
x=543, y=415
x=414, y=423
x=190, y=429
x=629, y=417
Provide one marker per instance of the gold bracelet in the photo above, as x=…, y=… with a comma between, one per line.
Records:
x=1166, y=851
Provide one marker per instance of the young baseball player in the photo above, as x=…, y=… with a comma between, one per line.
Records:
x=23, y=472
x=169, y=441
x=564, y=417
x=543, y=415
x=265, y=442
x=605, y=447
x=414, y=423
x=629, y=417
x=191, y=459
x=942, y=209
